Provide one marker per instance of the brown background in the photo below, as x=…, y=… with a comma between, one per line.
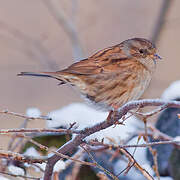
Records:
x=100, y=23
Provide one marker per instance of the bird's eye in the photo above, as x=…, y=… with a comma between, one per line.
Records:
x=141, y=51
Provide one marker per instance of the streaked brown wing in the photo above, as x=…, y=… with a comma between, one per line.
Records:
x=100, y=62
x=114, y=87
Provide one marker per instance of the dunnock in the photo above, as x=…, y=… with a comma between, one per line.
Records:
x=112, y=76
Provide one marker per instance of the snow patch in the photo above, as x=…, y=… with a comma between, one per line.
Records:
x=85, y=116
x=60, y=165
x=172, y=92
x=33, y=112
x=3, y=178
x=32, y=152
x=16, y=170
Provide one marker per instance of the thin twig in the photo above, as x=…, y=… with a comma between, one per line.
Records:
x=24, y=116
x=149, y=114
x=68, y=27
x=153, y=151
x=21, y=158
x=38, y=130
x=14, y=175
x=78, y=139
x=166, y=4
x=110, y=146
x=98, y=165
x=31, y=46
x=79, y=154
x=142, y=170
x=19, y=142
x=59, y=154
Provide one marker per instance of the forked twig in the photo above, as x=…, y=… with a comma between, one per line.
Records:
x=98, y=165
x=134, y=162
x=78, y=139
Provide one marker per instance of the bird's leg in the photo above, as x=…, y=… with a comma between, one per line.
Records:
x=109, y=115
x=113, y=114
x=116, y=119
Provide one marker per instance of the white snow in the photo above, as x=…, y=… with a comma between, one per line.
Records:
x=85, y=116
x=33, y=112
x=41, y=165
x=80, y=113
x=177, y=138
x=164, y=178
x=32, y=152
x=172, y=92
x=3, y=178
x=16, y=170
x=60, y=165
x=140, y=152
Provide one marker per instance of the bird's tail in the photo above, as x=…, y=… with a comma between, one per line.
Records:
x=44, y=74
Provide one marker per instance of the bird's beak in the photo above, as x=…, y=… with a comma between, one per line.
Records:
x=156, y=56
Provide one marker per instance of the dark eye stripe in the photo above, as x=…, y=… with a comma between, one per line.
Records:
x=143, y=51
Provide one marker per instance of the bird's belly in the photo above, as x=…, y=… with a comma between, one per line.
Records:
x=116, y=93
x=135, y=89
x=108, y=93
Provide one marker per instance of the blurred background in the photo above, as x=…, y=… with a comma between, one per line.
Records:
x=42, y=35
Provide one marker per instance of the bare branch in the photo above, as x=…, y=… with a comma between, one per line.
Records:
x=24, y=116
x=68, y=27
x=99, y=166
x=149, y=114
x=110, y=146
x=59, y=154
x=72, y=144
x=31, y=46
x=14, y=175
x=20, y=157
x=43, y=147
x=38, y=130
x=142, y=170
x=160, y=21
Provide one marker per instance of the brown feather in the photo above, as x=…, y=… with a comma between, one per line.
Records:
x=112, y=76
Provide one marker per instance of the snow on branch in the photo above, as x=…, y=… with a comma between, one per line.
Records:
x=74, y=143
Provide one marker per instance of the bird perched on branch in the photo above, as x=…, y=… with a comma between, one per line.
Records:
x=112, y=76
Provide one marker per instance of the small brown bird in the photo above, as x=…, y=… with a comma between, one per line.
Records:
x=112, y=76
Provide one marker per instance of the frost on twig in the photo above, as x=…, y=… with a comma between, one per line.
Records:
x=79, y=138
x=69, y=146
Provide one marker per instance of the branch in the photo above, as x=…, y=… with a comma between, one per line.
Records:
x=34, y=48
x=59, y=154
x=24, y=116
x=72, y=144
x=160, y=21
x=98, y=165
x=38, y=130
x=21, y=176
x=20, y=157
x=131, y=159
x=43, y=147
x=109, y=146
x=68, y=27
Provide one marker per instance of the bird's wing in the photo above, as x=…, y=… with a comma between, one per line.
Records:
x=103, y=61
